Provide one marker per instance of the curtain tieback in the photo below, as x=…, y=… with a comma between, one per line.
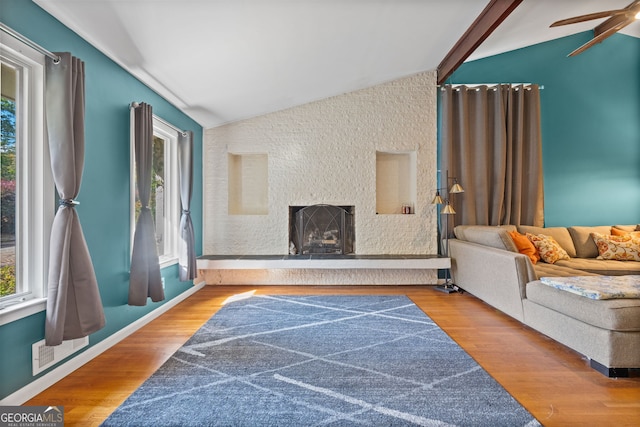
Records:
x=68, y=203
x=186, y=211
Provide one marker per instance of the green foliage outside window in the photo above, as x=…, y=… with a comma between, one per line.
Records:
x=7, y=280
x=7, y=193
x=7, y=167
x=157, y=181
x=157, y=176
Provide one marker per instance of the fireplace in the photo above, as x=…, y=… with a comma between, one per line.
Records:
x=321, y=229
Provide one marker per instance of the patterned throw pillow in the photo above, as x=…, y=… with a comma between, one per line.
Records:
x=620, y=248
x=525, y=246
x=550, y=251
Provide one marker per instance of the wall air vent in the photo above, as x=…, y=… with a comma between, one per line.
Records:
x=44, y=356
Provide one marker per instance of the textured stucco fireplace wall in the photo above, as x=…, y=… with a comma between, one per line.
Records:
x=334, y=151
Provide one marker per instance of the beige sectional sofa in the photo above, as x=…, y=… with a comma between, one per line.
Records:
x=487, y=264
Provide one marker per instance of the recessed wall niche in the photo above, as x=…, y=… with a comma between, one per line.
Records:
x=248, y=184
x=395, y=182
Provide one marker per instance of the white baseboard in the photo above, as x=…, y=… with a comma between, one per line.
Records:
x=37, y=386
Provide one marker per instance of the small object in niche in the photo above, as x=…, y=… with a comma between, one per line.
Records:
x=292, y=249
x=330, y=235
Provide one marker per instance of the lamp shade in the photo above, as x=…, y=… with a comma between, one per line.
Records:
x=456, y=188
x=448, y=210
x=437, y=200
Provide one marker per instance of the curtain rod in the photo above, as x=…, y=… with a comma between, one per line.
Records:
x=16, y=35
x=164, y=122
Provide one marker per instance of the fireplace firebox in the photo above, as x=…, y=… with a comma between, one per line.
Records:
x=321, y=229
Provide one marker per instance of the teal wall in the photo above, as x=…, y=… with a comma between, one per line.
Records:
x=590, y=110
x=104, y=195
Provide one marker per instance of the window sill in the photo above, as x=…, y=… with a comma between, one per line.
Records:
x=167, y=262
x=18, y=311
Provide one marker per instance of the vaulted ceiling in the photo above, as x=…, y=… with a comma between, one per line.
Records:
x=221, y=61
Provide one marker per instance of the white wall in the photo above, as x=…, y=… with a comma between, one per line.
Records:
x=325, y=152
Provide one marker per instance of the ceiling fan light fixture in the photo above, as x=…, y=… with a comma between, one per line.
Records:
x=637, y=16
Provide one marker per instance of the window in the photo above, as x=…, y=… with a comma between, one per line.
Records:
x=27, y=194
x=165, y=192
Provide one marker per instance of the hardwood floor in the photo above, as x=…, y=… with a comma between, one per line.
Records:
x=554, y=383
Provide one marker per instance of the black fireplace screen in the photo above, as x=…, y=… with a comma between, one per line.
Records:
x=322, y=229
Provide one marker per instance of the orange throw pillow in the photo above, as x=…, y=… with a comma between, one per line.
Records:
x=525, y=246
x=618, y=232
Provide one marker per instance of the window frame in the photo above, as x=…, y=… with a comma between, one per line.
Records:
x=171, y=189
x=34, y=183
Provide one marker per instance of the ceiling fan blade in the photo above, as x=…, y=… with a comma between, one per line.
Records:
x=595, y=41
x=589, y=17
x=618, y=22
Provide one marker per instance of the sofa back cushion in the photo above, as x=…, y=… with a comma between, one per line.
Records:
x=583, y=242
x=560, y=235
x=488, y=235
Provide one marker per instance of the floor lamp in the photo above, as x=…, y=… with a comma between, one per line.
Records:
x=447, y=211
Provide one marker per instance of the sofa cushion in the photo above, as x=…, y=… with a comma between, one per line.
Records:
x=559, y=269
x=582, y=241
x=488, y=235
x=601, y=266
x=458, y=231
x=613, y=314
x=560, y=234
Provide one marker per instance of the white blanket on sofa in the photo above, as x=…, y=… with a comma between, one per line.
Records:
x=597, y=287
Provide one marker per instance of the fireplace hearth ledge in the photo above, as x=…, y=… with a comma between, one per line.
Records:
x=322, y=261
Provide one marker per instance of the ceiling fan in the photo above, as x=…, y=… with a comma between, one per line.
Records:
x=618, y=19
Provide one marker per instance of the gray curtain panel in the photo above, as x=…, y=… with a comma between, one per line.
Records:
x=491, y=142
x=187, y=250
x=145, y=279
x=74, y=307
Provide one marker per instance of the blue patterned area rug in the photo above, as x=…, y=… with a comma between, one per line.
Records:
x=321, y=361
